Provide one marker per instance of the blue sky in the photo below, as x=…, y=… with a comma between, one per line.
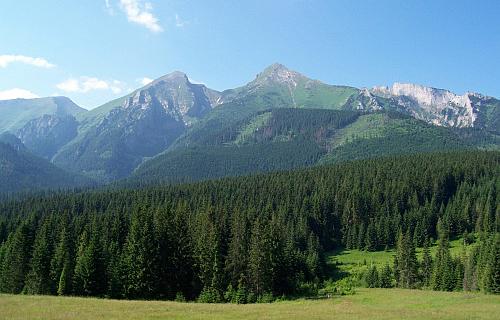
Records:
x=96, y=50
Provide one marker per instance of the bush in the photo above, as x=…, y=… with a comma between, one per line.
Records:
x=209, y=295
x=345, y=286
x=179, y=297
x=265, y=298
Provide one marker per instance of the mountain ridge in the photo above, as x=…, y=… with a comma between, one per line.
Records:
x=172, y=114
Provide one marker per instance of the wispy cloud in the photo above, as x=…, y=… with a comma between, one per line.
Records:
x=7, y=59
x=179, y=22
x=17, y=93
x=109, y=7
x=141, y=13
x=86, y=84
x=145, y=81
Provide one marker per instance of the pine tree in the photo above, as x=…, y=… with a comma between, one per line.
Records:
x=64, y=283
x=141, y=257
x=90, y=271
x=361, y=237
x=493, y=281
x=385, y=277
x=16, y=259
x=258, y=263
x=63, y=261
x=371, y=238
x=426, y=266
x=38, y=279
x=443, y=274
x=237, y=259
x=372, y=279
x=406, y=262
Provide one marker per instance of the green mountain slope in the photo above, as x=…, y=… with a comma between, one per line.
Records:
x=115, y=138
x=275, y=87
x=282, y=139
x=16, y=113
x=22, y=171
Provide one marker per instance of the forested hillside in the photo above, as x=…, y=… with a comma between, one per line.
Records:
x=21, y=171
x=283, y=139
x=252, y=238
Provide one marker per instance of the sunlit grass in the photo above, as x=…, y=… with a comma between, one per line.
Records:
x=366, y=304
x=355, y=261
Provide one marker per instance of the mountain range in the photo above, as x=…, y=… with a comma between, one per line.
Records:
x=173, y=130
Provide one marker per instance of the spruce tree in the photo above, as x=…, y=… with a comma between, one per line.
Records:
x=443, y=273
x=141, y=257
x=38, y=279
x=372, y=277
x=406, y=262
x=493, y=281
x=258, y=263
x=63, y=261
x=385, y=277
x=16, y=259
x=371, y=237
x=90, y=271
x=426, y=266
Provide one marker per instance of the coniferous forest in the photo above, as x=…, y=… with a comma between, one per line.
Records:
x=254, y=238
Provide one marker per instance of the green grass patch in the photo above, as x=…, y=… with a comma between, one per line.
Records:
x=248, y=131
x=355, y=262
x=366, y=304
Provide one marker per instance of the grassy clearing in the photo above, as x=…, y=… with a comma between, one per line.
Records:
x=357, y=261
x=366, y=304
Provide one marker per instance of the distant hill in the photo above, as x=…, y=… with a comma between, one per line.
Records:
x=16, y=113
x=22, y=171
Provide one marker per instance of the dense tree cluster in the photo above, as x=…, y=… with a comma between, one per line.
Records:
x=476, y=268
x=249, y=238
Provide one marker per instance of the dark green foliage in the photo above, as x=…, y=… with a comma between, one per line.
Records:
x=372, y=278
x=141, y=256
x=16, y=258
x=23, y=171
x=283, y=138
x=443, y=277
x=426, y=266
x=38, y=280
x=90, y=271
x=260, y=236
x=211, y=162
x=405, y=262
x=385, y=277
x=494, y=267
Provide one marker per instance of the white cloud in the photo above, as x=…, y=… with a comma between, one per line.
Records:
x=7, y=59
x=17, y=93
x=140, y=12
x=145, y=81
x=86, y=84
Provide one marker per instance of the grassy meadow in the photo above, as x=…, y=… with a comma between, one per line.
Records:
x=366, y=304
x=358, y=261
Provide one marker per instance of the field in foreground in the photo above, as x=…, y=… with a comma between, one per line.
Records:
x=366, y=304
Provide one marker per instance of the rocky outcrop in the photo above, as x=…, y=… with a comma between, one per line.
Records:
x=45, y=135
x=436, y=106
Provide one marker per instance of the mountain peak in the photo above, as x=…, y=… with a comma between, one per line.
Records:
x=276, y=67
x=176, y=76
x=278, y=73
